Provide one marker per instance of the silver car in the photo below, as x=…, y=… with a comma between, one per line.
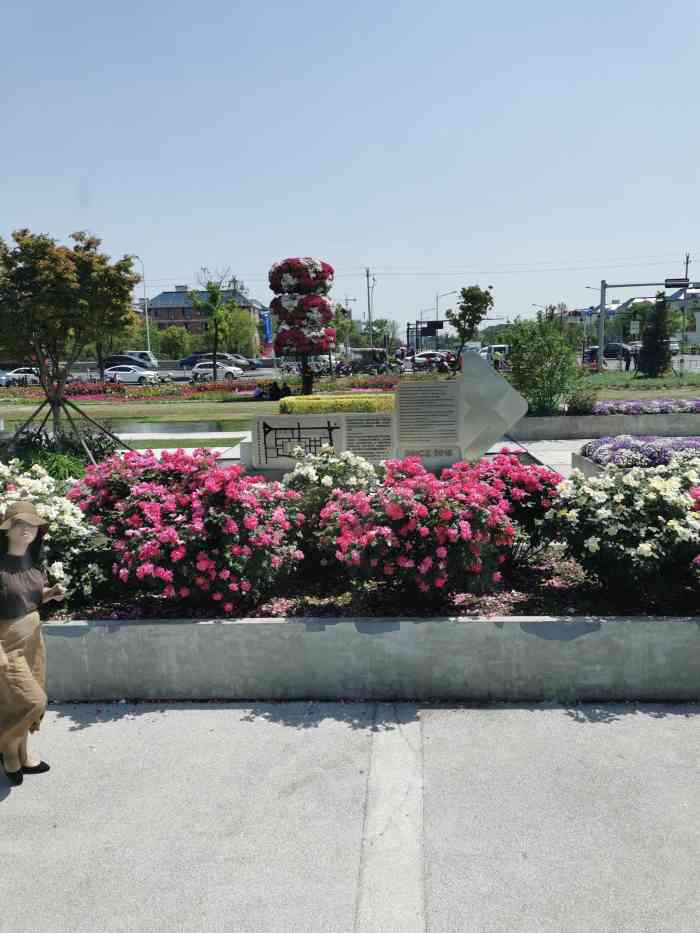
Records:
x=133, y=375
x=204, y=372
x=23, y=376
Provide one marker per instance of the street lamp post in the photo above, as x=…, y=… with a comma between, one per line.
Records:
x=437, y=315
x=145, y=304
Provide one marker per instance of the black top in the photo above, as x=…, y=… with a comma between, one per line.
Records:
x=21, y=586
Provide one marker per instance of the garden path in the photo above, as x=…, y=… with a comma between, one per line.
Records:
x=356, y=818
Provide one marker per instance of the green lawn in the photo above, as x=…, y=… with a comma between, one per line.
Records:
x=160, y=411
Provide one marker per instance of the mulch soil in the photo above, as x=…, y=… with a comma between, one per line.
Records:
x=546, y=585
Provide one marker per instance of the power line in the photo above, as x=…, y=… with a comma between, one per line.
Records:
x=474, y=270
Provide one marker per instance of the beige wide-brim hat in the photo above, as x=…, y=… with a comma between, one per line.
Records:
x=23, y=511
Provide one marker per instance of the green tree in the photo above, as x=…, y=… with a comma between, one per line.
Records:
x=543, y=364
x=175, y=342
x=55, y=300
x=214, y=307
x=237, y=329
x=343, y=323
x=384, y=332
x=655, y=354
x=473, y=307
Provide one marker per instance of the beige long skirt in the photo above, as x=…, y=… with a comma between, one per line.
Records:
x=22, y=683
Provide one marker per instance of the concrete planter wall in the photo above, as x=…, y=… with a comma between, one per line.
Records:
x=572, y=427
x=587, y=466
x=509, y=658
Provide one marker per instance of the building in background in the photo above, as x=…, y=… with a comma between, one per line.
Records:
x=175, y=309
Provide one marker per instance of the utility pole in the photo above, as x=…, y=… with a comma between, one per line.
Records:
x=601, y=326
x=685, y=309
x=369, y=313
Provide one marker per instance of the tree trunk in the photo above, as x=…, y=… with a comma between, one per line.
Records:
x=100, y=359
x=215, y=349
x=307, y=376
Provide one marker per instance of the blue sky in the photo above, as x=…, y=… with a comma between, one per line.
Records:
x=530, y=147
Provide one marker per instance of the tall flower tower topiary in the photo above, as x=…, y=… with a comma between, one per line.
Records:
x=303, y=311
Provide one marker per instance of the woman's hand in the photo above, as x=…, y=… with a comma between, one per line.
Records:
x=57, y=591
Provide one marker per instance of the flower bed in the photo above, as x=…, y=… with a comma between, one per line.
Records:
x=648, y=451
x=636, y=530
x=186, y=537
x=652, y=406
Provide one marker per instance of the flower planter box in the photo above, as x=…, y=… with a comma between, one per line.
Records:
x=506, y=658
x=573, y=427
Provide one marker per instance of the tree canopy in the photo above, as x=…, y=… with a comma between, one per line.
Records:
x=55, y=300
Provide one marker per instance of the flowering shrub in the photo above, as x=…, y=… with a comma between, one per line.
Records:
x=424, y=536
x=188, y=530
x=316, y=477
x=70, y=546
x=317, y=404
x=636, y=529
x=303, y=311
x=652, y=406
x=528, y=490
x=627, y=451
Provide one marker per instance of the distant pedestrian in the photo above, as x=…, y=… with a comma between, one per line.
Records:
x=497, y=359
x=635, y=358
x=285, y=390
x=274, y=393
x=627, y=357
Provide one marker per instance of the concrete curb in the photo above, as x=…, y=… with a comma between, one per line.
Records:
x=579, y=427
x=587, y=466
x=512, y=658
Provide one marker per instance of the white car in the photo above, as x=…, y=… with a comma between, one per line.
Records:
x=23, y=376
x=204, y=372
x=133, y=375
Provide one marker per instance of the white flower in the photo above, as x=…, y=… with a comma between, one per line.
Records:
x=56, y=569
x=327, y=481
x=645, y=549
x=593, y=544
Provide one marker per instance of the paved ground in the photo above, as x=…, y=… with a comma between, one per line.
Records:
x=311, y=817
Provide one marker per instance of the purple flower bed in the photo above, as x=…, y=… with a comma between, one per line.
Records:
x=652, y=406
x=627, y=451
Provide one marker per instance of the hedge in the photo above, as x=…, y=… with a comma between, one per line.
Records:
x=322, y=404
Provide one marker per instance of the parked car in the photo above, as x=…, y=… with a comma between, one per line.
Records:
x=489, y=350
x=261, y=362
x=204, y=371
x=132, y=375
x=235, y=359
x=187, y=362
x=145, y=356
x=23, y=376
x=124, y=359
x=615, y=351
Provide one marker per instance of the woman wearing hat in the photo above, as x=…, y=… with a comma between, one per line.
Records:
x=23, y=588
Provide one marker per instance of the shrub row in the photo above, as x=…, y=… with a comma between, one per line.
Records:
x=338, y=404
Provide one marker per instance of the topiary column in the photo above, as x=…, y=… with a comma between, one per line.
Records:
x=302, y=310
